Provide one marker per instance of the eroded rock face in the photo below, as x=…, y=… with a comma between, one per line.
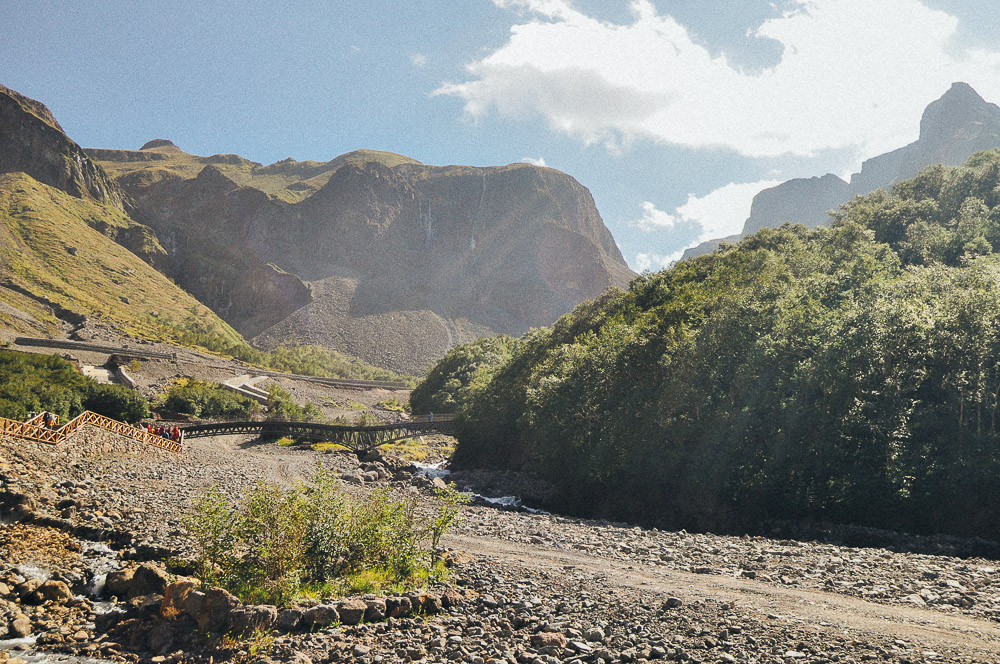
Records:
x=361, y=255
x=31, y=141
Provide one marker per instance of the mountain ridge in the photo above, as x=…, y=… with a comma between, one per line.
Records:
x=952, y=128
x=416, y=257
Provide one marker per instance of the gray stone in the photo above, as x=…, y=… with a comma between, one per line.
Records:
x=321, y=616
x=352, y=611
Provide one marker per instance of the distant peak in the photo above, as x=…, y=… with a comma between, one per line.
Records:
x=956, y=108
x=158, y=143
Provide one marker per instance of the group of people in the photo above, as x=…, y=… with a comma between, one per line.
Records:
x=170, y=433
x=51, y=420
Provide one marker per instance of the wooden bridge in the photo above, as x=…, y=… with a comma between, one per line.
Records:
x=357, y=438
x=35, y=429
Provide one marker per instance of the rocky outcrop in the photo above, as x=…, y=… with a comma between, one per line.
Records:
x=32, y=142
x=802, y=200
x=372, y=254
x=952, y=128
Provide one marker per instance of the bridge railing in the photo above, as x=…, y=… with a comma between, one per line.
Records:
x=358, y=438
x=29, y=429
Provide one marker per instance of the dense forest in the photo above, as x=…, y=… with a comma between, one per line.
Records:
x=849, y=373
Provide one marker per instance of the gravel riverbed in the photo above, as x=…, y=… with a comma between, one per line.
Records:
x=534, y=587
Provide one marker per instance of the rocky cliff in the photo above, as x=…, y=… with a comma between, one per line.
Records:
x=35, y=144
x=952, y=128
x=372, y=253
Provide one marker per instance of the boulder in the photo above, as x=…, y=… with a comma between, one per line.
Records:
x=375, y=611
x=428, y=602
x=398, y=607
x=451, y=597
x=548, y=640
x=162, y=637
x=244, y=620
x=174, y=596
x=117, y=583
x=52, y=591
x=20, y=626
x=148, y=579
x=289, y=619
x=26, y=589
x=321, y=616
x=213, y=615
x=352, y=611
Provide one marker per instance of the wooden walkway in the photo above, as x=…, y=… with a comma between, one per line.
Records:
x=357, y=438
x=35, y=429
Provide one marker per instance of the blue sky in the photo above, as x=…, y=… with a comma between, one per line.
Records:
x=672, y=112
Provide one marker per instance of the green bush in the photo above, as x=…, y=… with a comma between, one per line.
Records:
x=274, y=544
x=117, y=402
x=209, y=401
x=462, y=370
x=283, y=407
x=32, y=383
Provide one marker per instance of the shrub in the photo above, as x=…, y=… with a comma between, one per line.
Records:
x=274, y=544
x=283, y=407
x=208, y=400
x=117, y=402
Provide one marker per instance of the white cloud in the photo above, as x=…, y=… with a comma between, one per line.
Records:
x=654, y=220
x=853, y=74
x=722, y=212
x=654, y=262
x=418, y=59
x=717, y=214
x=534, y=162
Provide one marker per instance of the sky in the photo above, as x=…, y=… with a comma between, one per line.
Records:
x=673, y=113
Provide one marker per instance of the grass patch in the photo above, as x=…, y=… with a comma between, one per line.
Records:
x=394, y=404
x=420, y=449
x=329, y=447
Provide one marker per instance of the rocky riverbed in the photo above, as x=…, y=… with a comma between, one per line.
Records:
x=523, y=588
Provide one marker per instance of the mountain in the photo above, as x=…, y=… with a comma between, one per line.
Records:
x=952, y=128
x=69, y=251
x=371, y=253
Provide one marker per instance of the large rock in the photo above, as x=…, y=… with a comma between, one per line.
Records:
x=52, y=591
x=290, y=619
x=352, y=611
x=244, y=620
x=139, y=581
x=174, y=597
x=19, y=626
x=320, y=616
x=398, y=607
x=213, y=608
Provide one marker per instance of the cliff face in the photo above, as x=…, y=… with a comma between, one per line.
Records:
x=952, y=128
x=33, y=143
x=371, y=253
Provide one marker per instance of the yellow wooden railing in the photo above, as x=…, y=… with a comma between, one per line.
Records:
x=34, y=430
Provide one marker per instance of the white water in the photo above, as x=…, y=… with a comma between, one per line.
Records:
x=433, y=470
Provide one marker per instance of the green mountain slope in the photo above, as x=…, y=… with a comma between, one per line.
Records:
x=848, y=373
x=56, y=251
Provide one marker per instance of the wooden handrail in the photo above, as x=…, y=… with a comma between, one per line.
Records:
x=55, y=436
